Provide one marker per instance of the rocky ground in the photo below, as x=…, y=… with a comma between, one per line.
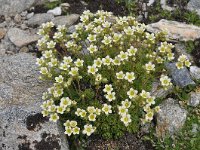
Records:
x=21, y=124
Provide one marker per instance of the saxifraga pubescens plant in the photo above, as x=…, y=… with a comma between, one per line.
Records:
x=102, y=74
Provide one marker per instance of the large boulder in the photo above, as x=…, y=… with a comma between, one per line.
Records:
x=171, y=118
x=21, y=38
x=21, y=124
x=176, y=30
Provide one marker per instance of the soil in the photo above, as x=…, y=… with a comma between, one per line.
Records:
x=127, y=142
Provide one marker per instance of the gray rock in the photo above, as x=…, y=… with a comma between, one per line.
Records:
x=17, y=18
x=176, y=30
x=2, y=32
x=23, y=127
x=6, y=45
x=164, y=5
x=29, y=15
x=194, y=5
x=195, y=72
x=171, y=118
x=66, y=20
x=20, y=37
x=65, y=7
x=194, y=99
x=11, y=7
x=19, y=76
x=38, y=19
x=181, y=77
x=21, y=124
x=181, y=49
x=151, y=2
x=159, y=92
x=56, y=11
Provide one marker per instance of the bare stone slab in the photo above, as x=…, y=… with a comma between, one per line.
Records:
x=176, y=30
x=21, y=124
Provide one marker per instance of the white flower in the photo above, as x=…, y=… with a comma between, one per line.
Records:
x=150, y=66
x=68, y=131
x=51, y=44
x=116, y=61
x=165, y=81
x=107, y=40
x=92, y=48
x=92, y=117
x=98, y=62
x=130, y=76
x=74, y=35
x=182, y=58
x=69, y=44
x=150, y=100
x=120, y=75
x=59, y=79
x=74, y=71
x=110, y=96
x=91, y=109
x=122, y=110
x=108, y=88
x=123, y=55
x=179, y=65
x=98, y=30
x=53, y=62
x=79, y=63
x=65, y=101
x=149, y=116
x=116, y=37
x=76, y=130
x=40, y=61
x=132, y=51
x=92, y=69
x=48, y=54
x=88, y=129
x=170, y=56
x=58, y=35
x=106, y=24
x=84, y=18
x=67, y=60
x=60, y=109
x=187, y=63
x=54, y=117
x=107, y=60
x=132, y=93
x=126, y=103
x=91, y=37
x=43, y=70
x=73, y=124
x=126, y=119
x=107, y=109
x=145, y=94
x=64, y=66
x=129, y=30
